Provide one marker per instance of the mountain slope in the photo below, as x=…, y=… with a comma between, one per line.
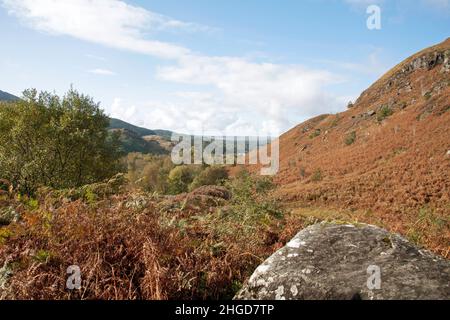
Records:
x=119, y=124
x=388, y=155
x=132, y=142
x=5, y=96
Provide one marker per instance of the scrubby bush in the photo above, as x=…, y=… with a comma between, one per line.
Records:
x=350, y=138
x=317, y=176
x=149, y=172
x=383, y=113
x=315, y=133
x=210, y=176
x=250, y=202
x=181, y=177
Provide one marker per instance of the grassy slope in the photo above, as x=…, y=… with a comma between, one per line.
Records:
x=389, y=168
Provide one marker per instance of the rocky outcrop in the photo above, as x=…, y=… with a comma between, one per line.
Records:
x=8, y=215
x=337, y=261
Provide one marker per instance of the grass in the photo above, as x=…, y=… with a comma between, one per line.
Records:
x=315, y=133
x=350, y=138
x=335, y=121
x=317, y=176
x=383, y=113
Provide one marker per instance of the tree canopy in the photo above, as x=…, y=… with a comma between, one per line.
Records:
x=60, y=142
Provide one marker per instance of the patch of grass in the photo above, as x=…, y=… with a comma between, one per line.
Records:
x=335, y=121
x=350, y=138
x=317, y=176
x=42, y=256
x=427, y=95
x=383, y=113
x=315, y=133
x=5, y=233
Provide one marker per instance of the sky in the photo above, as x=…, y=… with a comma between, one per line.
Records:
x=231, y=67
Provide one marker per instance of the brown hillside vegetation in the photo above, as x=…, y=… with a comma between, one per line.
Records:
x=131, y=244
x=162, y=231
x=386, y=159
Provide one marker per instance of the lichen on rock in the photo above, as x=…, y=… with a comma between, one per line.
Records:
x=332, y=261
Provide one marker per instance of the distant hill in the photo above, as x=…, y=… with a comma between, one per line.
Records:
x=138, y=139
x=119, y=124
x=5, y=96
x=132, y=142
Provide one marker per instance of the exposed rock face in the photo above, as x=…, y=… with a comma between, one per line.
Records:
x=336, y=261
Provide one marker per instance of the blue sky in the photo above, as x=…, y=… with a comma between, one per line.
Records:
x=195, y=66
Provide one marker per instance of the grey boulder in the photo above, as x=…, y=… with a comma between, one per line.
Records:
x=331, y=261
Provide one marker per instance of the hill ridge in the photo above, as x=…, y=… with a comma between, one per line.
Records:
x=388, y=154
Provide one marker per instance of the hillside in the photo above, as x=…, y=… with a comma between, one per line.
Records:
x=138, y=139
x=387, y=156
x=132, y=142
x=5, y=96
x=119, y=124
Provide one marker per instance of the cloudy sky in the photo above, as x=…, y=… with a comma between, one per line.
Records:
x=194, y=66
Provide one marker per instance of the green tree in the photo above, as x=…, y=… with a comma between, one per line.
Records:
x=46, y=140
x=210, y=176
x=181, y=177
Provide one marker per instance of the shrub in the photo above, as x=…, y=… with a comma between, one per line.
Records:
x=315, y=133
x=383, y=113
x=210, y=176
x=351, y=138
x=317, y=175
x=181, y=177
x=149, y=172
x=335, y=121
x=250, y=202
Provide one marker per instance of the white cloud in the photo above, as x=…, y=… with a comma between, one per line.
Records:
x=234, y=93
x=118, y=111
x=109, y=22
x=102, y=72
x=279, y=94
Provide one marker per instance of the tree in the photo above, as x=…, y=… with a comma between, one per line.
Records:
x=181, y=177
x=210, y=176
x=58, y=142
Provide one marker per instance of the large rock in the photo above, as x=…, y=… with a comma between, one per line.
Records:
x=337, y=261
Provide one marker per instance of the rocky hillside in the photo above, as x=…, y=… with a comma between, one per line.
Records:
x=388, y=155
